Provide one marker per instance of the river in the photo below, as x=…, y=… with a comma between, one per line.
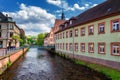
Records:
x=41, y=65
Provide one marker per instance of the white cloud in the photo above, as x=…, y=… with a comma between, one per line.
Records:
x=94, y=5
x=54, y=2
x=32, y=19
x=76, y=6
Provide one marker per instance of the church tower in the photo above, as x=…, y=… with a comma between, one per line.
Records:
x=62, y=16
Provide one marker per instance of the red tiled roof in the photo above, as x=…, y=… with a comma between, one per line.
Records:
x=58, y=22
x=107, y=8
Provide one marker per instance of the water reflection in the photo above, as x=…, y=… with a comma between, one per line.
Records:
x=39, y=65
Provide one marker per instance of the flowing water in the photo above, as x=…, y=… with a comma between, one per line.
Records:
x=41, y=65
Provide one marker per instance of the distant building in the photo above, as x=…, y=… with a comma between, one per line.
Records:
x=50, y=37
x=46, y=39
x=8, y=28
x=93, y=35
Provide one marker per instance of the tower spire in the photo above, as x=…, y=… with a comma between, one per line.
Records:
x=62, y=15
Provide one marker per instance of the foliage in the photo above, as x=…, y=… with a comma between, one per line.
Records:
x=40, y=38
x=17, y=38
x=111, y=73
x=30, y=39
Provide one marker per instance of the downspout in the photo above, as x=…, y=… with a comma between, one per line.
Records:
x=73, y=42
x=6, y=39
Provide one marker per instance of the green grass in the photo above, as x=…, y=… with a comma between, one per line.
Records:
x=109, y=72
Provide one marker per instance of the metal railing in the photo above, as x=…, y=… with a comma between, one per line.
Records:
x=8, y=51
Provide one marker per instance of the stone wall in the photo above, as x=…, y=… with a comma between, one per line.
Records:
x=10, y=59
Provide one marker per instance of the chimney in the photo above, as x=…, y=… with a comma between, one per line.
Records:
x=6, y=15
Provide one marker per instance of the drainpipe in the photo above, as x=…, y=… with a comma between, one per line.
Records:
x=6, y=39
x=73, y=43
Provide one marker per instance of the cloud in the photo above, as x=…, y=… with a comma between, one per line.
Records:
x=32, y=19
x=94, y=5
x=54, y=2
x=66, y=7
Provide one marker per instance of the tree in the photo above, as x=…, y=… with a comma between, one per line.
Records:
x=40, y=39
x=17, y=38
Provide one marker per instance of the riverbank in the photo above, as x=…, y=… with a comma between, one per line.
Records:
x=8, y=60
x=111, y=73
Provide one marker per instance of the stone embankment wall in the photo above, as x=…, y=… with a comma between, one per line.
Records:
x=8, y=60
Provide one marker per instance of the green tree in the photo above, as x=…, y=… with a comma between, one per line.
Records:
x=17, y=38
x=40, y=39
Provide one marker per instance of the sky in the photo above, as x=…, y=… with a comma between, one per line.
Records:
x=38, y=16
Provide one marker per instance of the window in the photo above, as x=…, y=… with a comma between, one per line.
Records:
x=0, y=19
x=76, y=32
x=11, y=34
x=70, y=33
x=65, y=25
x=115, y=25
x=63, y=34
x=56, y=36
x=82, y=31
x=70, y=22
x=66, y=46
x=0, y=34
x=82, y=47
x=0, y=26
x=63, y=46
x=101, y=28
x=91, y=47
x=101, y=48
x=91, y=30
x=66, y=34
x=11, y=27
x=1, y=44
x=60, y=35
x=58, y=45
x=115, y=49
x=70, y=47
x=76, y=46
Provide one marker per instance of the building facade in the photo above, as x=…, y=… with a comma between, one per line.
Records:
x=46, y=40
x=49, y=39
x=8, y=28
x=93, y=36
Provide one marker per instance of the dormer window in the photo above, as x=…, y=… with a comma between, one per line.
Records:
x=0, y=19
x=66, y=25
x=70, y=22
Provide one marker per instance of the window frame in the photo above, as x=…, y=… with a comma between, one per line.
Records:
x=70, y=33
x=81, y=47
x=89, y=30
x=99, y=32
x=75, y=49
x=63, y=35
x=76, y=35
x=113, y=43
x=70, y=47
x=66, y=34
x=112, y=25
x=89, y=47
x=81, y=31
x=101, y=43
x=66, y=46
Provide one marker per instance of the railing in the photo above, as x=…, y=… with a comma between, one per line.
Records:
x=5, y=52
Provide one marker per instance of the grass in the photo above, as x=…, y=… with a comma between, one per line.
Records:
x=109, y=72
